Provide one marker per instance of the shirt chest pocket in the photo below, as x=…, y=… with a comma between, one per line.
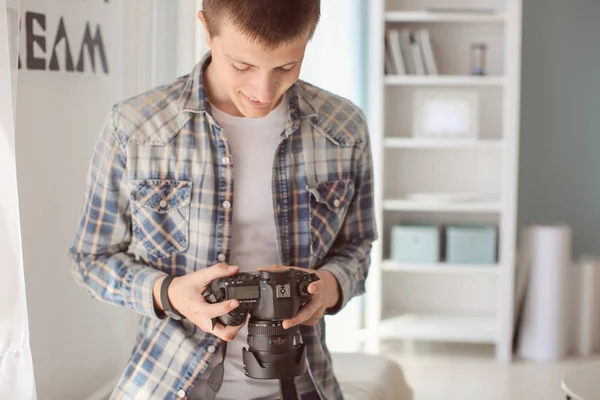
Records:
x=328, y=205
x=161, y=215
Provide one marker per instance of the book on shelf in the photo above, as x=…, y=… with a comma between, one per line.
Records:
x=394, y=53
x=409, y=52
x=390, y=67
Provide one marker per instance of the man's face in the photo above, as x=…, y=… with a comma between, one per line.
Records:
x=245, y=79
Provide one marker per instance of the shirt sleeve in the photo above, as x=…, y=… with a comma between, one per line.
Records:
x=350, y=256
x=100, y=259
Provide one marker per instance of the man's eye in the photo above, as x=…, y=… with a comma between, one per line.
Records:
x=286, y=69
x=239, y=69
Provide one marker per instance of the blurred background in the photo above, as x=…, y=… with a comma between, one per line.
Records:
x=489, y=244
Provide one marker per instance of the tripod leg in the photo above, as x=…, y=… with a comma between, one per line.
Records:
x=288, y=389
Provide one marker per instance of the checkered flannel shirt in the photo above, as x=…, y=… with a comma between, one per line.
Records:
x=154, y=205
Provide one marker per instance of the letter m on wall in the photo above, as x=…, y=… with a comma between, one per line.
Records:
x=92, y=43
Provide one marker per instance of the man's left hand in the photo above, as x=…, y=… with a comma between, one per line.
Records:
x=324, y=295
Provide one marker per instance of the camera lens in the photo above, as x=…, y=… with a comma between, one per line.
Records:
x=273, y=352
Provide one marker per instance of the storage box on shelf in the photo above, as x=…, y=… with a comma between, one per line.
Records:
x=452, y=245
x=470, y=245
x=428, y=146
x=415, y=244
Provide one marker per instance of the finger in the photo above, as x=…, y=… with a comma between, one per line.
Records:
x=305, y=313
x=217, y=309
x=230, y=332
x=202, y=308
x=316, y=287
x=315, y=318
x=222, y=270
x=221, y=331
x=227, y=333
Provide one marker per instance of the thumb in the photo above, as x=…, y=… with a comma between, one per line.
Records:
x=209, y=274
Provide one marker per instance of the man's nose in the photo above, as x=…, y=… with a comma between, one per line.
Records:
x=265, y=89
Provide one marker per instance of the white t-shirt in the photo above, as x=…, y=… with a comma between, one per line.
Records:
x=254, y=142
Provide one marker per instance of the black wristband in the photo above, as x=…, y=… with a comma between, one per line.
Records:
x=164, y=299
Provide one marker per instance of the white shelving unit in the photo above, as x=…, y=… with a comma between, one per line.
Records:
x=441, y=301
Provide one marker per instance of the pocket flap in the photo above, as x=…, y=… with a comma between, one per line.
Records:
x=161, y=195
x=335, y=194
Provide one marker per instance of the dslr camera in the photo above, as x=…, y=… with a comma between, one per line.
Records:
x=269, y=297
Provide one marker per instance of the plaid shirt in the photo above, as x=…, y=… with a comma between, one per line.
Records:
x=156, y=204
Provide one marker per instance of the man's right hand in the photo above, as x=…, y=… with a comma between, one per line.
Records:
x=186, y=296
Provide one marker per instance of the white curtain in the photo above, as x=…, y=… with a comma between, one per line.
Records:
x=16, y=368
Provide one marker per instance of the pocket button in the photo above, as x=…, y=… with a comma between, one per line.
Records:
x=163, y=204
x=336, y=203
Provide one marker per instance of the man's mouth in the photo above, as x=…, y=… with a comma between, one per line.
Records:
x=253, y=100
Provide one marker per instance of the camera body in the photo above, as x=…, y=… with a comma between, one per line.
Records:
x=269, y=297
x=266, y=295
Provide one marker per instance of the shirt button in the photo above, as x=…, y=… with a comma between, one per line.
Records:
x=226, y=204
x=225, y=160
x=336, y=203
x=211, y=349
x=181, y=394
x=221, y=257
x=163, y=204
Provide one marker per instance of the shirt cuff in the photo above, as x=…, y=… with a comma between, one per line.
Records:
x=137, y=290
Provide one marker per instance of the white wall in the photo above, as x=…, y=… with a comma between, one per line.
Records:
x=60, y=114
x=78, y=344
x=560, y=122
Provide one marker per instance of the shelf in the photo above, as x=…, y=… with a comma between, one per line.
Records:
x=408, y=143
x=442, y=268
x=446, y=328
x=443, y=80
x=429, y=16
x=466, y=207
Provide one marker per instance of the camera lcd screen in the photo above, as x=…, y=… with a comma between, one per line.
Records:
x=243, y=292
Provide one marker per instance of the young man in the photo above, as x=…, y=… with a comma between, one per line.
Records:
x=237, y=166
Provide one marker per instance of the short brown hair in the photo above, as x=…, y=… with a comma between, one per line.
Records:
x=269, y=22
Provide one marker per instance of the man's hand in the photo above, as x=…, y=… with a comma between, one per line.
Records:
x=186, y=296
x=325, y=294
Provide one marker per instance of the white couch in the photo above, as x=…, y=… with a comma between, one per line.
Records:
x=370, y=377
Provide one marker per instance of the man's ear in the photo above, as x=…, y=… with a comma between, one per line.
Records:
x=202, y=19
